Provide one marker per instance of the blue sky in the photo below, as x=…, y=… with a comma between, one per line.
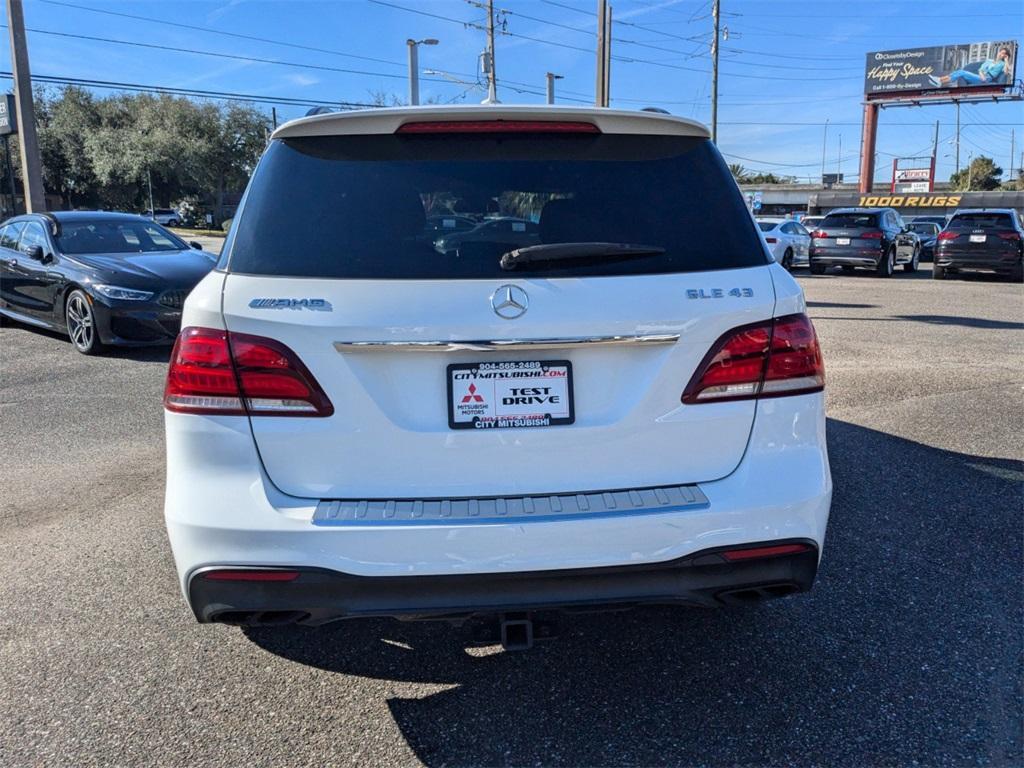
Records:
x=787, y=65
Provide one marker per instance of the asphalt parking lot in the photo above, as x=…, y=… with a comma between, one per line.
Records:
x=908, y=651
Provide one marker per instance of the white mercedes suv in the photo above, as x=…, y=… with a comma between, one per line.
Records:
x=607, y=393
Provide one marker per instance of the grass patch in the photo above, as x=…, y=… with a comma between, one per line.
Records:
x=184, y=234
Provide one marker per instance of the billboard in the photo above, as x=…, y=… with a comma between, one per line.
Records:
x=8, y=124
x=941, y=69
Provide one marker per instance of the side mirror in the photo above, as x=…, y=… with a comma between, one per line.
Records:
x=36, y=253
x=194, y=244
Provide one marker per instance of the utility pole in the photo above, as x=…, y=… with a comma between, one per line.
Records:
x=607, y=96
x=839, y=160
x=492, y=75
x=152, y=210
x=551, y=77
x=1012, y=139
x=31, y=164
x=717, y=16
x=958, y=136
x=602, y=58
x=935, y=158
x=824, y=145
x=273, y=116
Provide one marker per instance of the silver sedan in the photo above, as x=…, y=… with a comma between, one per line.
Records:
x=788, y=241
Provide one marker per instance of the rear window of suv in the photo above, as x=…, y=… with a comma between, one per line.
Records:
x=850, y=220
x=981, y=221
x=370, y=206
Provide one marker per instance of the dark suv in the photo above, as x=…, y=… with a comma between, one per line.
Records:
x=981, y=240
x=864, y=237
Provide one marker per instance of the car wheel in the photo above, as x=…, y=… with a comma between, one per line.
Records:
x=81, y=321
x=172, y=223
x=787, y=259
x=938, y=273
x=914, y=262
x=887, y=264
x=1017, y=276
x=847, y=269
x=817, y=269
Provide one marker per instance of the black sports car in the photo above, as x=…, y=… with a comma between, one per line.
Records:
x=102, y=278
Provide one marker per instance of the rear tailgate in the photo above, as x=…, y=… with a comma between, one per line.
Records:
x=389, y=435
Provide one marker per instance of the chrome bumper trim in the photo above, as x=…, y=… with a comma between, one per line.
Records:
x=500, y=345
x=501, y=510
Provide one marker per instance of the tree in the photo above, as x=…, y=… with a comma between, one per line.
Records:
x=100, y=152
x=981, y=174
x=738, y=172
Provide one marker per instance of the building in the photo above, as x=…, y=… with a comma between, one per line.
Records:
x=781, y=199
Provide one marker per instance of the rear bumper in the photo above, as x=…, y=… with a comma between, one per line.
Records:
x=316, y=596
x=1001, y=264
x=856, y=257
x=221, y=510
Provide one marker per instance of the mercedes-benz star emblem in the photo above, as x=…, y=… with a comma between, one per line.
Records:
x=510, y=301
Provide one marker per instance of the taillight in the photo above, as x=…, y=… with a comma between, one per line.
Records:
x=757, y=553
x=871, y=235
x=770, y=359
x=499, y=126
x=819, y=233
x=1009, y=235
x=947, y=235
x=770, y=240
x=217, y=372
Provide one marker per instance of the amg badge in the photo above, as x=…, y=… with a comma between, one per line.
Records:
x=317, y=305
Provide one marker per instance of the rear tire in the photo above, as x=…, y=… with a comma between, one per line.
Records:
x=1017, y=276
x=787, y=260
x=887, y=263
x=847, y=269
x=172, y=223
x=938, y=273
x=914, y=262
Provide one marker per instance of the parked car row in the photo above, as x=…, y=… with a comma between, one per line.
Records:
x=987, y=240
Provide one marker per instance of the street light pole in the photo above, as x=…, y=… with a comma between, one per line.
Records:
x=152, y=210
x=414, y=68
x=551, y=76
x=824, y=144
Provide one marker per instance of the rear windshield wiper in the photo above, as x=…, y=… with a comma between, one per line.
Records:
x=566, y=251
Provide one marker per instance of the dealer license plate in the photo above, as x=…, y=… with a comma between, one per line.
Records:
x=842, y=241
x=510, y=395
x=978, y=238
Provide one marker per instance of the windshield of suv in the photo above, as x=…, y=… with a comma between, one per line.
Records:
x=383, y=206
x=981, y=221
x=113, y=236
x=850, y=220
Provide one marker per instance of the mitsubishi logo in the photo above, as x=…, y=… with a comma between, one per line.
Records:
x=510, y=301
x=472, y=396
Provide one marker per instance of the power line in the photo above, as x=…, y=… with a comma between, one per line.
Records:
x=219, y=55
x=195, y=92
x=624, y=59
x=193, y=27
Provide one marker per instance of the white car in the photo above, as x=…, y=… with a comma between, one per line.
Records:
x=166, y=216
x=628, y=411
x=788, y=240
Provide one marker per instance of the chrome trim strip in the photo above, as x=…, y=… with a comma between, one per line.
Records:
x=499, y=345
x=502, y=510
